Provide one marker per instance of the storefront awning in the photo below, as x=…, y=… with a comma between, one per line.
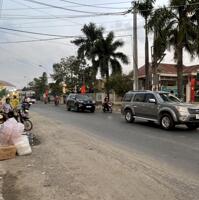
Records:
x=6, y=84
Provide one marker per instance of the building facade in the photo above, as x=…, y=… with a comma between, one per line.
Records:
x=166, y=80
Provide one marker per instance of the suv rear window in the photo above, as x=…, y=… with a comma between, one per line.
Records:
x=139, y=97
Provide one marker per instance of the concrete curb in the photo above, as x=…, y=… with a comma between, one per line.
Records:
x=2, y=174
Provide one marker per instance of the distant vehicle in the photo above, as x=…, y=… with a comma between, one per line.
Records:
x=80, y=102
x=161, y=107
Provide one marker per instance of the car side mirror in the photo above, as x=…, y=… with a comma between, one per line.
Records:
x=152, y=101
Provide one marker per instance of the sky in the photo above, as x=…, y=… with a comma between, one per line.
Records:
x=21, y=62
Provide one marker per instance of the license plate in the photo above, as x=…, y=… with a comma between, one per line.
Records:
x=197, y=116
x=88, y=106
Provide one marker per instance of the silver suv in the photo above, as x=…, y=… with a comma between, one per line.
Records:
x=160, y=107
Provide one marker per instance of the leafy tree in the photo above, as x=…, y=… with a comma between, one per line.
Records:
x=145, y=7
x=3, y=92
x=39, y=85
x=73, y=72
x=55, y=88
x=106, y=57
x=120, y=84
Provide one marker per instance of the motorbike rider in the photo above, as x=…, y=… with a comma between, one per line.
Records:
x=56, y=99
x=15, y=102
x=105, y=103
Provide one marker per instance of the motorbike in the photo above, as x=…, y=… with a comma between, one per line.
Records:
x=56, y=101
x=20, y=116
x=23, y=117
x=107, y=107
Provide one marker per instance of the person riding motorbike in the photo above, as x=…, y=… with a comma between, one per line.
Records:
x=107, y=106
x=56, y=100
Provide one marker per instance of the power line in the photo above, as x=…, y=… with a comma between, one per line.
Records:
x=61, y=17
x=40, y=11
x=72, y=25
x=91, y=5
x=41, y=8
x=51, y=39
x=36, y=33
x=62, y=8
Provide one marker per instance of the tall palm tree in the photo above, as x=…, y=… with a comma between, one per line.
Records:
x=159, y=24
x=106, y=57
x=182, y=35
x=145, y=7
x=91, y=34
x=195, y=19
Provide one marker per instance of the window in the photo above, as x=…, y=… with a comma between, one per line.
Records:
x=149, y=96
x=139, y=97
x=127, y=97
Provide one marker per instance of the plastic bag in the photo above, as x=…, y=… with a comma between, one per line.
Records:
x=22, y=145
x=10, y=131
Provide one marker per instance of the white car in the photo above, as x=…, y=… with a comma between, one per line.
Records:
x=32, y=100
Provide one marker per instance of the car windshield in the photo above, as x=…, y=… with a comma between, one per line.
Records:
x=82, y=97
x=166, y=97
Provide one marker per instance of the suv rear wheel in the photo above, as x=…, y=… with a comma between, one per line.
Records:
x=129, y=116
x=166, y=121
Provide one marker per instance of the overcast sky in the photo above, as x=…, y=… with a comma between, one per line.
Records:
x=19, y=62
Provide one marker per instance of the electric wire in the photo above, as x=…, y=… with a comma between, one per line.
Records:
x=36, y=33
x=41, y=8
x=92, y=6
x=42, y=11
x=63, y=8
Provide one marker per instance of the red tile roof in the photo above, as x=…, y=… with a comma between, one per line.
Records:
x=191, y=69
x=169, y=69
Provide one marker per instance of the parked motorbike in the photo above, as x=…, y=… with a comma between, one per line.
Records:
x=23, y=117
x=107, y=107
x=20, y=116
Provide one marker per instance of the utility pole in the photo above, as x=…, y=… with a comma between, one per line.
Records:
x=135, y=51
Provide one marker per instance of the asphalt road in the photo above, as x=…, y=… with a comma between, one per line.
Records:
x=178, y=148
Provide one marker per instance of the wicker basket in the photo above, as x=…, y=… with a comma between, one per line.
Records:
x=7, y=152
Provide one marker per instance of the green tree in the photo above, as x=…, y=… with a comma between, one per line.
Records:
x=107, y=59
x=3, y=92
x=120, y=84
x=145, y=8
x=55, y=88
x=39, y=85
x=73, y=72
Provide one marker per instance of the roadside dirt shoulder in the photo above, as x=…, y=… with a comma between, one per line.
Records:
x=69, y=164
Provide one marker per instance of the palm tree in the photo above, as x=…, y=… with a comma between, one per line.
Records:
x=160, y=26
x=91, y=34
x=195, y=19
x=182, y=35
x=106, y=57
x=145, y=7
